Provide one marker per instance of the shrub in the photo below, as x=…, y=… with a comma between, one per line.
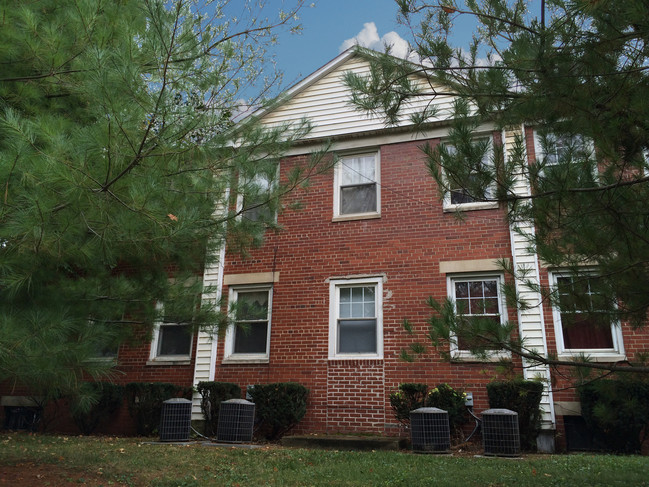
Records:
x=524, y=397
x=145, y=400
x=108, y=400
x=213, y=393
x=617, y=412
x=408, y=397
x=278, y=407
x=446, y=398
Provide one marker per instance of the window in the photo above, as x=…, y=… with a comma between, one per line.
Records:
x=355, y=329
x=356, y=185
x=257, y=202
x=171, y=341
x=107, y=351
x=106, y=339
x=553, y=150
x=475, y=296
x=458, y=195
x=248, y=338
x=580, y=326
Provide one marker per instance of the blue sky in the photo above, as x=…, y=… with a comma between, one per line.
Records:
x=327, y=25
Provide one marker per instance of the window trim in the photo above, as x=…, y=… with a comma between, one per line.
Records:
x=539, y=153
x=240, y=197
x=106, y=358
x=155, y=342
x=474, y=205
x=229, y=356
x=334, y=301
x=465, y=355
x=614, y=354
x=337, y=215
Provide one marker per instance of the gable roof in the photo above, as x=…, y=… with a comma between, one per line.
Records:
x=323, y=98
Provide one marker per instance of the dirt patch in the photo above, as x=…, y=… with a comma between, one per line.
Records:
x=34, y=475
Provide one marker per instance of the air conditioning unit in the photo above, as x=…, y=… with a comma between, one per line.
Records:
x=176, y=420
x=500, y=435
x=429, y=430
x=236, y=421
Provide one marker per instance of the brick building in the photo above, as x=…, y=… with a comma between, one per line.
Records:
x=370, y=243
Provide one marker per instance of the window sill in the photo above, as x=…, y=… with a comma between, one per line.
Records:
x=356, y=357
x=103, y=360
x=593, y=356
x=357, y=216
x=160, y=361
x=464, y=356
x=486, y=205
x=245, y=360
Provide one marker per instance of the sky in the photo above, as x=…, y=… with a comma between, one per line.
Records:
x=331, y=26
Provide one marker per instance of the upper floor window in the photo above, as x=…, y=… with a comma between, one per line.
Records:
x=171, y=340
x=256, y=200
x=248, y=339
x=552, y=149
x=475, y=167
x=356, y=329
x=581, y=324
x=357, y=190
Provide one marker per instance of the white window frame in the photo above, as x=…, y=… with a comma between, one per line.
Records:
x=156, y=341
x=338, y=173
x=256, y=178
x=229, y=355
x=105, y=358
x=490, y=191
x=598, y=354
x=334, y=310
x=108, y=358
x=451, y=279
x=540, y=154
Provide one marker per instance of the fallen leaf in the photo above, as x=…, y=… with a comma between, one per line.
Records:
x=172, y=217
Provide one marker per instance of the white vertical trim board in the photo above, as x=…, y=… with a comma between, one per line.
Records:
x=531, y=321
x=206, y=346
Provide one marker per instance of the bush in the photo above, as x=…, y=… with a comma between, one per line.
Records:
x=108, y=400
x=212, y=394
x=278, y=407
x=617, y=412
x=145, y=400
x=408, y=397
x=446, y=398
x=524, y=397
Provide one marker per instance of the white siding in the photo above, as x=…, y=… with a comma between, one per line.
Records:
x=205, y=366
x=325, y=102
x=531, y=321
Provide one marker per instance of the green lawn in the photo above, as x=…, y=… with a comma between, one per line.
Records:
x=112, y=461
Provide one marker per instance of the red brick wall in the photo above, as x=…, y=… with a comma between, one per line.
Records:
x=406, y=245
x=133, y=366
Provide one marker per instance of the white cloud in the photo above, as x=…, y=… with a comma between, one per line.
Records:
x=369, y=37
x=241, y=110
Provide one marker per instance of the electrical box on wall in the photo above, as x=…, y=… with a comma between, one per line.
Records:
x=468, y=399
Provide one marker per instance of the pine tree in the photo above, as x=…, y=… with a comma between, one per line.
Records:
x=118, y=156
x=575, y=71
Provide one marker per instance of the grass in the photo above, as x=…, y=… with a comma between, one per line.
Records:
x=116, y=461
